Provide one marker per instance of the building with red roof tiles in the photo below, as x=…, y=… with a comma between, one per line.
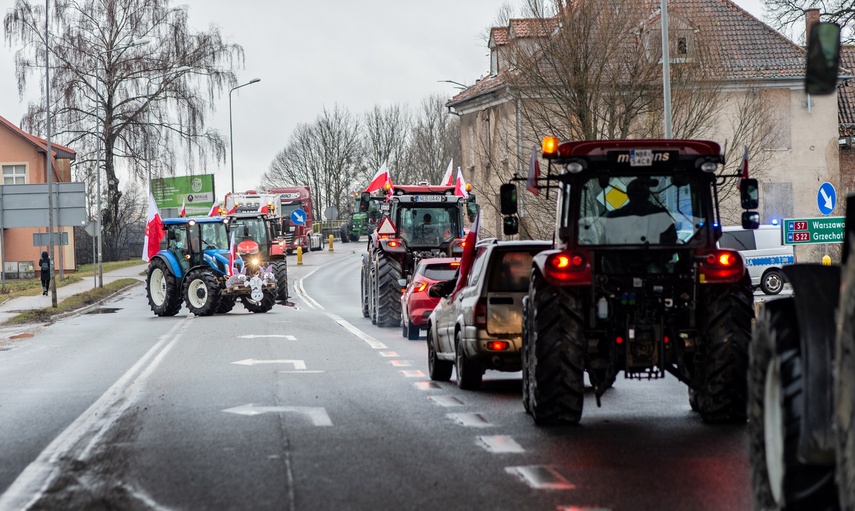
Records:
x=798, y=151
x=22, y=161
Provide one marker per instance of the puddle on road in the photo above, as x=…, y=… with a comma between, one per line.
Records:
x=104, y=310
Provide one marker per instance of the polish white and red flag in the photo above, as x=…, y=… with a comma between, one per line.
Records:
x=448, y=178
x=380, y=179
x=215, y=210
x=468, y=256
x=460, y=184
x=183, y=211
x=743, y=169
x=533, y=172
x=263, y=209
x=232, y=255
x=153, y=230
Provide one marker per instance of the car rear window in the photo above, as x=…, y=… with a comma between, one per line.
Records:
x=444, y=271
x=512, y=272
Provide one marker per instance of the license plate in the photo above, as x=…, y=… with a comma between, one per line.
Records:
x=640, y=158
x=428, y=198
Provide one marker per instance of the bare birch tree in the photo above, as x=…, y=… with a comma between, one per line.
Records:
x=108, y=92
x=435, y=139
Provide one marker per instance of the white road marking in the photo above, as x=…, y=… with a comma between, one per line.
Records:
x=268, y=336
x=388, y=354
x=318, y=415
x=446, y=400
x=401, y=363
x=301, y=372
x=426, y=385
x=374, y=343
x=88, y=429
x=413, y=373
x=298, y=364
x=470, y=420
x=298, y=287
x=500, y=444
x=541, y=477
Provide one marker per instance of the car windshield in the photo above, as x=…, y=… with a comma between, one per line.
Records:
x=428, y=226
x=633, y=210
x=249, y=228
x=214, y=236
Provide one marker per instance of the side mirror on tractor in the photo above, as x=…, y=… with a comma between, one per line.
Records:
x=750, y=220
x=823, y=59
x=510, y=225
x=749, y=193
x=508, y=198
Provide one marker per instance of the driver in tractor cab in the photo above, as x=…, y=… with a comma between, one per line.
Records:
x=640, y=219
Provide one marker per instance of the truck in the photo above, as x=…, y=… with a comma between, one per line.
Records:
x=197, y=267
x=297, y=226
x=801, y=409
x=634, y=282
x=417, y=222
x=260, y=234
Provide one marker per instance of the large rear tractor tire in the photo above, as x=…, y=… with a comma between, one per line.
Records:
x=776, y=392
x=555, y=356
x=202, y=292
x=162, y=289
x=844, y=389
x=280, y=269
x=388, y=299
x=364, y=283
x=524, y=356
x=439, y=370
x=726, y=328
x=267, y=302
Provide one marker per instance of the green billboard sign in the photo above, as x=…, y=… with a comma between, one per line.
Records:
x=195, y=192
x=806, y=231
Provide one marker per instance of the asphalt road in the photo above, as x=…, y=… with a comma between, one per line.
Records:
x=312, y=407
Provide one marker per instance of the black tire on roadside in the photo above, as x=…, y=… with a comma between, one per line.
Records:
x=844, y=385
x=267, y=302
x=163, y=289
x=201, y=292
x=524, y=356
x=280, y=269
x=469, y=371
x=772, y=282
x=227, y=303
x=779, y=480
x=726, y=327
x=438, y=370
x=364, y=280
x=556, y=353
x=388, y=290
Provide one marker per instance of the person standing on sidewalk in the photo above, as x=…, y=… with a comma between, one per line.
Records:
x=44, y=267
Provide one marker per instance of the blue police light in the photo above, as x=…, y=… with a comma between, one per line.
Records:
x=774, y=221
x=715, y=225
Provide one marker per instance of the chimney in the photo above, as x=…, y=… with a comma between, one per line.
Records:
x=811, y=19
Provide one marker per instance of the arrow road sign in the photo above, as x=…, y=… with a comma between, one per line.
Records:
x=298, y=217
x=826, y=198
x=318, y=415
x=299, y=365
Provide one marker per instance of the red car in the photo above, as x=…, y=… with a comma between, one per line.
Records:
x=416, y=305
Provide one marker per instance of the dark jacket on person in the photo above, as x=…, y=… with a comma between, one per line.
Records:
x=44, y=267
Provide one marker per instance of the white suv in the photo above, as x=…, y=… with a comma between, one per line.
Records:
x=480, y=327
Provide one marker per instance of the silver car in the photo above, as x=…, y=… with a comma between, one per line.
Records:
x=480, y=326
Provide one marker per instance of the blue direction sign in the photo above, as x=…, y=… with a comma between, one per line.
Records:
x=826, y=198
x=298, y=217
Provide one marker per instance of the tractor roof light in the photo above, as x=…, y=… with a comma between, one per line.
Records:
x=549, y=147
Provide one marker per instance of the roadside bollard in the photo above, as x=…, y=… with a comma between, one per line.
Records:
x=826, y=260
x=299, y=256
x=331, y=242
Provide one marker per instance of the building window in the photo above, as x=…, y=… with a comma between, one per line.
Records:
x=14, y=174
x=682, y=46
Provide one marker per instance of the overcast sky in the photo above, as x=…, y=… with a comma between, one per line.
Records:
x=315, y=54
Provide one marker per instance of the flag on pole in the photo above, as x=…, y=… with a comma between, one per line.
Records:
x=380, y=179
x=468, y=254
x=229, y=205
x=183, y=211
x=263, y=209
x=448, y=178
x=215, y=210
x=533, y=172
x=460, y=184
x=232, y=255
x=153, y=230
x=743, y=168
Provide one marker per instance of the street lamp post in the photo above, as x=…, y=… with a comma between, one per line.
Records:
x=231, y=141
x=179, y=70
x=138, y=42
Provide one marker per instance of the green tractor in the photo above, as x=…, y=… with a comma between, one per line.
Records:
x=366, y=213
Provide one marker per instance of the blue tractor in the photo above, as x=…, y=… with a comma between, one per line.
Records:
x=194, y=267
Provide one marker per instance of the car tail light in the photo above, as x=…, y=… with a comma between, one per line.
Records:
x=498, y=345
x=480, y=313
x=418, y=287
x=720, y=266
x=568, y=268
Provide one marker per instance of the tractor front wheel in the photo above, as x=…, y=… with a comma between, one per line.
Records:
x=202, y=292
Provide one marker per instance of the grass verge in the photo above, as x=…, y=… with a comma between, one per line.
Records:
x=72, y=303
